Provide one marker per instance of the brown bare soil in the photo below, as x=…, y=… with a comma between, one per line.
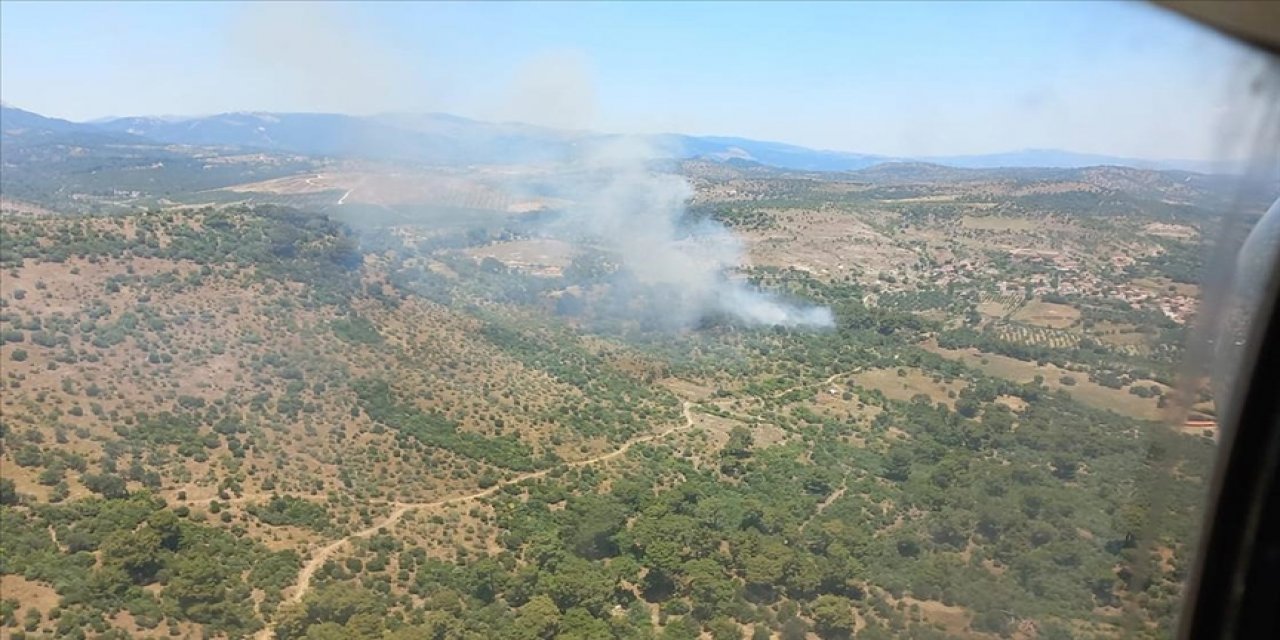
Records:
x=904, y=388
x=1047, y=314
x=827, y=244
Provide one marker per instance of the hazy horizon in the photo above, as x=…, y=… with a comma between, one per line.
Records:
x=890, y=157
x=904, y=80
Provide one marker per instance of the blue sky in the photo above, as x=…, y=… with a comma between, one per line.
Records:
x=895, y=78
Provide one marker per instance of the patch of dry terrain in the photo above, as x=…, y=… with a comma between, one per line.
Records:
x=1084, y=390
x=827, y=244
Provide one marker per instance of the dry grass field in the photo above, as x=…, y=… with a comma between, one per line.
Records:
x=826, y=244
x=1047, y=314
x=905, y=387
x=1090, y=393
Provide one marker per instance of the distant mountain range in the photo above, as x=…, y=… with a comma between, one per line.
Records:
x=446, y=139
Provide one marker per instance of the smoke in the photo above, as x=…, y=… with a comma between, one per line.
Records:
x=618, y=199
x=623, y=203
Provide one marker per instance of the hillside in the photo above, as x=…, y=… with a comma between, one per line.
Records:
x=632, y=321
x=251, y=420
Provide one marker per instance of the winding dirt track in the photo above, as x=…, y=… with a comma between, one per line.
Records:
x=829, y=380
x=303, y=584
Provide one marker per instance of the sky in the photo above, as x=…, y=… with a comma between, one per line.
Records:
x=895, y=78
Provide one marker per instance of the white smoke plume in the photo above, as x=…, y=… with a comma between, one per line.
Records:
x=622, y=203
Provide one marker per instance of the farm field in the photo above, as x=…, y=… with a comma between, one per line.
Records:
x=1047, y=314
x=1082, y=389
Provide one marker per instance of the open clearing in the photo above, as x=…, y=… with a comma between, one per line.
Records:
x=1047, y=314
x=1159, y=285
x=1090, y=393
x=905, y=387
x=998, y=223
x=1168, y=230
x=955, y=620
x=32, y=595
x=825, y=244
x=831, y=401
x=539, y=256
x=369, y=185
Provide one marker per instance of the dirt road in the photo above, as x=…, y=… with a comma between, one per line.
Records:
x=303, y=584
